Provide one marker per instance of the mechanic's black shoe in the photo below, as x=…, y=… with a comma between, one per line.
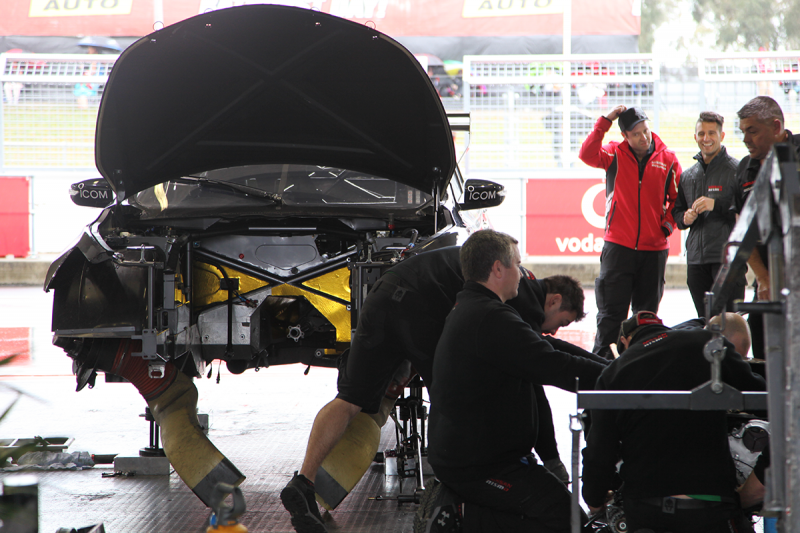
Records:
x=298, y=498
x=439, y=511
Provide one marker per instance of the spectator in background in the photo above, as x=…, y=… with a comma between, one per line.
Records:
x=642, y=177
x=13, y=89
x=85, y=92
x=761, y=122
x=707, y=204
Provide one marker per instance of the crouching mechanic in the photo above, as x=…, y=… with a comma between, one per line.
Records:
x=401, y=320
x=677, y=470
x=484, y=420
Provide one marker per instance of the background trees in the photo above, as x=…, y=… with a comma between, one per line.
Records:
x=749, y=24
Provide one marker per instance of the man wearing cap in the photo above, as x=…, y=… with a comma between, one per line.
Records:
x=642, y=177
x=677, y=471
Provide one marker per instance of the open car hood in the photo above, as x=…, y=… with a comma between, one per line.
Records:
x=265, y=84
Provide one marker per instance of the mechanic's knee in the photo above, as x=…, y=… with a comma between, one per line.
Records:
x=344, y=407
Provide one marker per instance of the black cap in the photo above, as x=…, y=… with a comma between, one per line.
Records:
x=630, y=118
x=640, y=319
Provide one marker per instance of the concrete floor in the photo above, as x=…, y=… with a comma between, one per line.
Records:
x=260, y=421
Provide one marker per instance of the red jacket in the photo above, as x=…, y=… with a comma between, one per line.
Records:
x=638, y=213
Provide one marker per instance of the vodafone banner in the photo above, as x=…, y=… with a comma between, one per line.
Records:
x=565, y=217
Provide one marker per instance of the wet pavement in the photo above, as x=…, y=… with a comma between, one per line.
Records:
x=260, y=421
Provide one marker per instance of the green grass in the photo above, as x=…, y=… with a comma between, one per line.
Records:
x=45, y=136
x=499, y=139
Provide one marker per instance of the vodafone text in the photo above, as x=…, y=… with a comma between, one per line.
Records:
x=588, y=244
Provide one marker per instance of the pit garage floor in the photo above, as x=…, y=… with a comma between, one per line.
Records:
x=259, y=420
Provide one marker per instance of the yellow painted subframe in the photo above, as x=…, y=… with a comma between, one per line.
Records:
x=206, y=291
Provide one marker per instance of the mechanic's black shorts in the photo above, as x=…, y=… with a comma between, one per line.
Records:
x=394, y=325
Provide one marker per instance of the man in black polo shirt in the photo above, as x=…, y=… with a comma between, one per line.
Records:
x=677, y=470
x=483, y=421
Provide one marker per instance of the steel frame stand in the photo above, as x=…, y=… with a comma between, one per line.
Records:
x=409, y=416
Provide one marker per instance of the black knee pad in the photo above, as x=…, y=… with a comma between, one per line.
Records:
x=440, y=510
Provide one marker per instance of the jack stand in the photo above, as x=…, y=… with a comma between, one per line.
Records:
x=154, y=449
x=152, y=460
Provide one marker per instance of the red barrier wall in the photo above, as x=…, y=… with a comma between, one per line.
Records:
x=14, y=217
x=565, y=217
x=16, y=342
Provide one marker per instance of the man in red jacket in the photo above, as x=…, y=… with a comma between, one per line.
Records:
x=642, y=178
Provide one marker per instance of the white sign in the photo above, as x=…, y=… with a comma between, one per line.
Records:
x=213, y=5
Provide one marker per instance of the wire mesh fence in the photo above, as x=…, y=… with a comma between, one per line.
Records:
x=49, y=109
x=533, y=112
x=523, y=117
x=527, y=112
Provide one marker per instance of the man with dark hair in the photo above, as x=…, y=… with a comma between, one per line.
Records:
x=568, y=293
x=761, y=122
x=642, y=177
x=677, y=470
x=483, y=421
x=707, y=204
x=401, y=321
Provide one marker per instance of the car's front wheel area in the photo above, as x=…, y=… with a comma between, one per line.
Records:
x=172, y=398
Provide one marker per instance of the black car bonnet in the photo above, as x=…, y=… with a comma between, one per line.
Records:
x=270, y=84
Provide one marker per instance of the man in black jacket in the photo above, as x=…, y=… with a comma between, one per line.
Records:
x=707, y=203
x=483, y=421
x=401, y=320
x=761, y=122
x=677, y=470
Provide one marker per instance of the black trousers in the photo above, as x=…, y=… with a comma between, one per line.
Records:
x=522, y=496
x=700, y=279
x=628, y=279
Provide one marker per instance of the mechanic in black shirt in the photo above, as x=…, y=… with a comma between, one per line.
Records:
x=401, y=321
x=677, y=470
x=483, y=420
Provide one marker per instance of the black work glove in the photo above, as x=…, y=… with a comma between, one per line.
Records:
x=557, y=468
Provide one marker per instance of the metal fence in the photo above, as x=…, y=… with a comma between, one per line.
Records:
x=518, y=103
x=49, y=110
x=529, y=114
x=533, y=112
